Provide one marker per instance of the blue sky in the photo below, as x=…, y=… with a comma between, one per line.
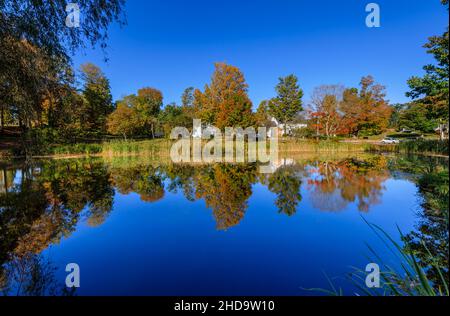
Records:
x=171, y=45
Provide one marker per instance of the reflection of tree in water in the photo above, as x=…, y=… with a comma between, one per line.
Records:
x=285, y=182
x=334, y=184
x=46, y=204
x=76, y=184
x=226, y=189
x=143, y=180
x=181, y=177
x=429, y=242
x=40, y=205
x=331, y=202
x=31, y=275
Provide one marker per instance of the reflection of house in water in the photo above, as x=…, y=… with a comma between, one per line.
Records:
x=274, y=165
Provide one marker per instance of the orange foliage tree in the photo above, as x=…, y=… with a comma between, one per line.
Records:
x=366, y=112
x=225, y=101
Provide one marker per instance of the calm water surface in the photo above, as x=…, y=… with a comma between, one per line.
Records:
x=140, y=227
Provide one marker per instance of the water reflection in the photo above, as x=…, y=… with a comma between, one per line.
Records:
x=43, y=202
x=335, y=184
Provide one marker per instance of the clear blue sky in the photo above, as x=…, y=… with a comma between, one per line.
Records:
x=171, y=45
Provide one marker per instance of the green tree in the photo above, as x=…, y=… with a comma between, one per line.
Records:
x=97, y=96
x=431, y=90
x=397, y=110
x=187, y=98
x=416, y=117
x=172, y=116
x=288, y=102
x=147, y=104
x=188, y=107
x=262, y=117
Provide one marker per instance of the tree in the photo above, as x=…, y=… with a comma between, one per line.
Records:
x=148, y=103
x=225, y=102
x=34, y=44
x=415, y=117
x=142, y=109
x=40, y=23
x=397, y=110
x=326, y=104
x=123, y=121
x=172, y=116
x=366, y=112
x=262, y=117
x=187, y=106
x=28, y=77
x=187, y=98
x=97, y=94
x=288, y=102
x=432, y=90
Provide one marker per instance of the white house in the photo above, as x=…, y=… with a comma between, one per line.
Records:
x=289, y=127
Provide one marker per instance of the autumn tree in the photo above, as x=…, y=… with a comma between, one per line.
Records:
x=365, y=112
x=33, y=44
x=142, y=109
x=288, y=102
x=225, y=102
x=123, y=121
x=326, y=113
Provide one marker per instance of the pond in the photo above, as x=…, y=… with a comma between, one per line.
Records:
x=139, y=226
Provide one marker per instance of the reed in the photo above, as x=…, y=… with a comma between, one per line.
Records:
x=410, y=279
x=420, y=146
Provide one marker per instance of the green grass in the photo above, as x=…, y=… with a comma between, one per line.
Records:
x=115, y=147
x=78, y=148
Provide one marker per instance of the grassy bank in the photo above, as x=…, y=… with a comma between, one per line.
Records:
x=161, y=148
x=421, y=146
